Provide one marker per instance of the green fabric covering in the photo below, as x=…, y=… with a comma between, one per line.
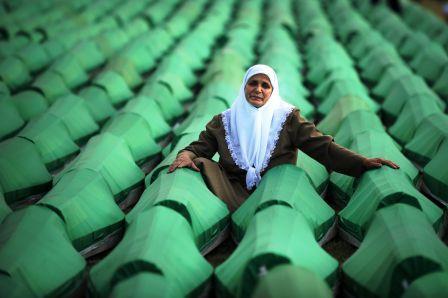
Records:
x=427, y=138
x=22, y=172
x=110, y=156
x=391, y=75
x=435, y=173
x=174, y=64
x=159, y=241
x=380, y=188
x=72, y=110
x=111, y=41
x=150, y=111
x=172, y=150
x=98, y=103
x=292, y=281
x=285, y=185
x=171, y=108
x=441, y=85
x=70, y=70
x=34, y=56
x=134, y=129
x=276, y=235
x=429, y=62
x=30, y=104
x=4, y=89
x=4, y=208
x=10, y=119
x=126, y=69
x=35, y=251
x=115, y=86
x=371, y=144
x=413, y=113
x=14, y=73
x=177, y=86
x=145, y=284
x=400, y=246
x=51, y=85
x=52, y=140
x=85, y=202
x=413, y=44
x=377, y=61
x=403, y=91
x=192, y=124
x=88, y=55
x=186, y=192
x=317, y=173
x=429, y=285
x=139, y=55
x=346, y=105
x=13, y=289
x=336, y=76
x=355, y=123
x=54, y=48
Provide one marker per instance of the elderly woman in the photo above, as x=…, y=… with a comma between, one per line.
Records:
x=261, y=131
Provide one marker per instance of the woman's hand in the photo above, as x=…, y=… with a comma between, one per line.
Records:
x=183, y=160
x=374, y=163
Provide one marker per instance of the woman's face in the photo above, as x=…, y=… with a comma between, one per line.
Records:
x=258, y=90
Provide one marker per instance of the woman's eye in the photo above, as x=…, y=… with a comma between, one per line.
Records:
x=253, y=83
x=266, y=86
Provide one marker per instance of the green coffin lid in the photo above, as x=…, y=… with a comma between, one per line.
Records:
x=377, y=189
x=292, y=281
x=52, y=140
x=13, y=289
x=126, y=69
x=400, y=246
x=34, y=56
x=110, y=156
x=22, y=171
x=115, y=86
x=413, y=44
x=14, y=73
x=435, y=173
x=30, y=104
x=390, y=75
x=441, y=85
x=158, y=241
x=430, y=61
x=193, y=124
x=371, y=144
x=85, y=202
x=150, y=111
x=427, y=138
x=403, y=90
x=51, y=85
x=4, y=89
x=415, y=110
x=174, y=64
x=429, y=285
x=10, y=119
x=145, y=284
x=111, y=41
x=346, y=105
x=172, y=149
x=161, y=93
x=134, y=129
x=36, y=251
x=316, y=172
x=88, y=55
x=137, y=26
x=289, y=186
x=186, y=192
x=276, y=235
x=54, y=48
x=340, y=74
x=140, y=56
x=98, y=103
x=70, y=70
x=72, y=110
x=177, y=86
x=355, y=123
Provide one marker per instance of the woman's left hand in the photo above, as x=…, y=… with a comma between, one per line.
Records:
x=374, y=163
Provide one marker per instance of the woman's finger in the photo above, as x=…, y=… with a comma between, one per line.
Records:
x=194, y=167
x=389, y=163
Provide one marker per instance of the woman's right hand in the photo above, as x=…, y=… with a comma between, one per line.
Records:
x=183, y=160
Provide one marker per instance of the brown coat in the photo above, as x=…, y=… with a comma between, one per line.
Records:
x=297, y=133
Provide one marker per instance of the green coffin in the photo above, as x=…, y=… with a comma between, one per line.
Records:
x=158, y=241
x=429, y=285
x=435, y=173
x=98, y=103
x=51, y=85
x=14, y=73
x=10, y=119
x=400, y=246
x=35, y=250
x=70, y=70
x=115, y=86
x=30, y=104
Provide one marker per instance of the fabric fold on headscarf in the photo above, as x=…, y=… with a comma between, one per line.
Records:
x=252, y=133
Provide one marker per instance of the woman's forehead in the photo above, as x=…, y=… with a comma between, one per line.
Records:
x=260, y=76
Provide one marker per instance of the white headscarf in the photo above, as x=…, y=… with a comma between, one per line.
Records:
x=252, y=133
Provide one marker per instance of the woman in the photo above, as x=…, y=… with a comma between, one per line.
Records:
x=261, y=131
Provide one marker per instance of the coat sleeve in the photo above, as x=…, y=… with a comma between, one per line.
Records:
x=322, y=148
x=207, y=145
